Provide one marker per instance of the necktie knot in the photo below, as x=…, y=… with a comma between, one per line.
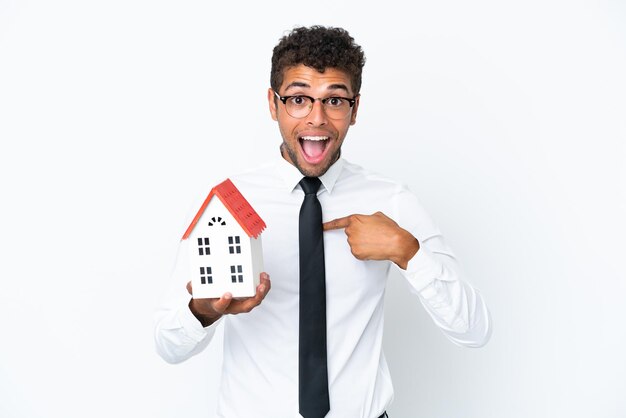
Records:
x=310, y=185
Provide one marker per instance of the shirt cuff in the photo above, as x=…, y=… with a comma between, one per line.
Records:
x=422, y=269
x=192, y=326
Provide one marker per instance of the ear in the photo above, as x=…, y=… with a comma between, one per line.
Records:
x=271, y=101
x=355, y=109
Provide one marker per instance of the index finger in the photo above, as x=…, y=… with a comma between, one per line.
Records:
x=337, y=223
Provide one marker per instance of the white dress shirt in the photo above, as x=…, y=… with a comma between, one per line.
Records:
x=260, y=364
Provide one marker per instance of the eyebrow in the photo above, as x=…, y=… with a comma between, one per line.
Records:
x=338, y=86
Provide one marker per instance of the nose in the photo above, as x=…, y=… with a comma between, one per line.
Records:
x=317, y=117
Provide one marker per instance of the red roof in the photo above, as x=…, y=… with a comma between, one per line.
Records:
x=237, y=205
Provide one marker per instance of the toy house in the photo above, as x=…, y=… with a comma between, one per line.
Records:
x=225, y=251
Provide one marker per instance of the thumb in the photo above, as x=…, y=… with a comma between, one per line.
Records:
x=223, y=303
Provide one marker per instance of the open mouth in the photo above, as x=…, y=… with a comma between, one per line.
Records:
x=314, y=148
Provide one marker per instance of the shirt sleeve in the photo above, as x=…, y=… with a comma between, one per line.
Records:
x=178, y=334
x=455, y=306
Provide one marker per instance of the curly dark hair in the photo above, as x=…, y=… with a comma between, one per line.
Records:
x=318, y=47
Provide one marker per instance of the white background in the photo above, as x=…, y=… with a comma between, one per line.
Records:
x=506, y=118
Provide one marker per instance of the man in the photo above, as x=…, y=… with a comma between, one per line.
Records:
x=372, y=225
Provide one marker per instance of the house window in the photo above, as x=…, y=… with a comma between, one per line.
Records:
x=234, y=245
x=203, y=246
x=236, y=274
x=217, y=221
x=206, y=275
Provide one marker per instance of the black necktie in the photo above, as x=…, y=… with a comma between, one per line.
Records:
x=313, y=371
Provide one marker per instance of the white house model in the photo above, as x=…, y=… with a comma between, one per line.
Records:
x=225, y=252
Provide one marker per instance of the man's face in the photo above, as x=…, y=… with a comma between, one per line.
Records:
x=312, y=143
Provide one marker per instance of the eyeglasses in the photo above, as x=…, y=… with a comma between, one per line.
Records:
x=300, y=106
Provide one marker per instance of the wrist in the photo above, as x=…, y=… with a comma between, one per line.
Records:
x=205, y=318
x=407, y=250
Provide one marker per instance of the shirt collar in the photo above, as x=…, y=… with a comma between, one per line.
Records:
x=291, y=176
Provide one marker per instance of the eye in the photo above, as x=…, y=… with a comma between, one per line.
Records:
x=298, y=100
x=334, y=101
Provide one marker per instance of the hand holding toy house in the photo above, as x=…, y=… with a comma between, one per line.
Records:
x=225, y=254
